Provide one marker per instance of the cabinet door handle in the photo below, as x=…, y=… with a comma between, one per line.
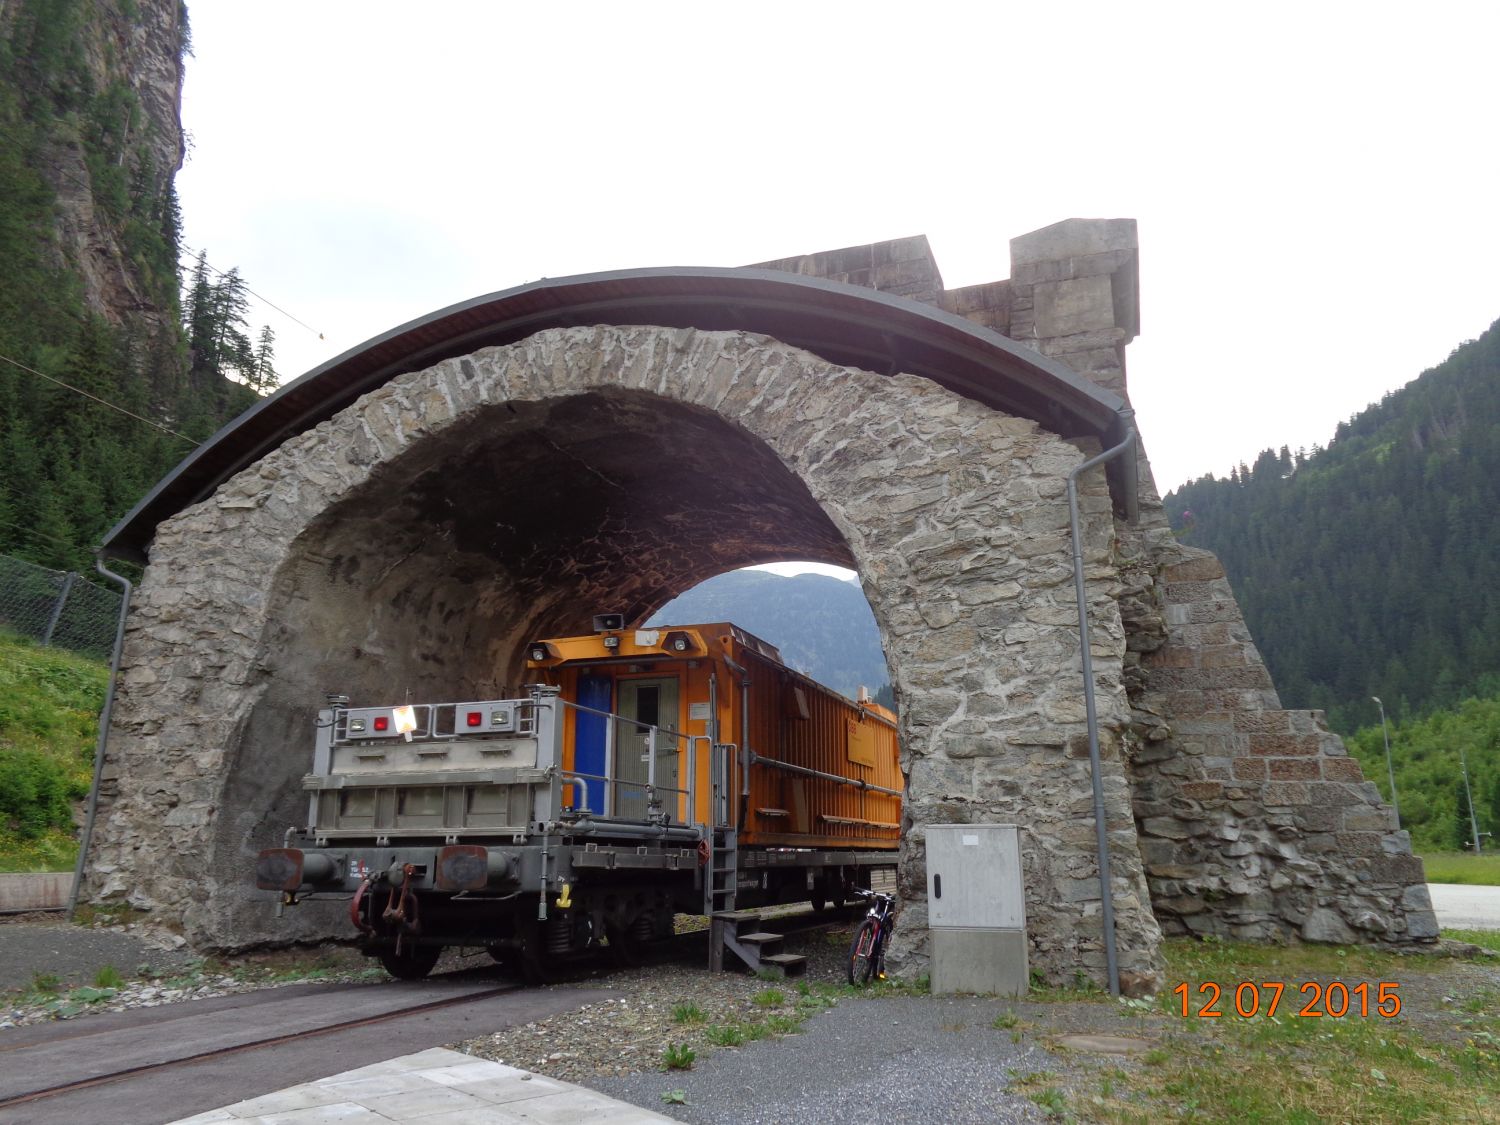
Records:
x=937, y=886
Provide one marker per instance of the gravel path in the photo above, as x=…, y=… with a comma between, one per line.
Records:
x=75, y=954
x=890, y=1059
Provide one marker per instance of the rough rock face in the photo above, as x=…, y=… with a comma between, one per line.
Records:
x=120, y=66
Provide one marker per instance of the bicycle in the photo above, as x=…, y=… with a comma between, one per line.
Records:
x=867, y=951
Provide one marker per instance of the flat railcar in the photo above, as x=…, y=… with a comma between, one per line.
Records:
x=646, y=772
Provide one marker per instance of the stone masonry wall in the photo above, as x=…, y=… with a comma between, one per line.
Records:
x=1254, y=821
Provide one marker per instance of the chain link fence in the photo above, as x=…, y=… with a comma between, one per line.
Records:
x=58, y=608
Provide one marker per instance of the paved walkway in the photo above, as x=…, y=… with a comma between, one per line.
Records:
x=1462, y=907
x=436, y=1087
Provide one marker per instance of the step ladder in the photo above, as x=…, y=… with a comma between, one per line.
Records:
x=723, y=871
x=738, y=931
x=742, y=933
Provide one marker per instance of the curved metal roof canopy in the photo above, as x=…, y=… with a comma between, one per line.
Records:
x=843, y=324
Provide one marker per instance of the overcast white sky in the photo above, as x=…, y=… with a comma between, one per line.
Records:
x=1315, y=183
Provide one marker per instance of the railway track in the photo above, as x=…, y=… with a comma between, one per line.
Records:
x=149, y=1065
x=87, y=1039
x=201, y=1054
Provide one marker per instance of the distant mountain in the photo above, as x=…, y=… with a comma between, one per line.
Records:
x=1372, y=567
x=823, y=626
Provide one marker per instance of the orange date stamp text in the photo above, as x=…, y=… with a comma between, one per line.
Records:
x=1249, y=999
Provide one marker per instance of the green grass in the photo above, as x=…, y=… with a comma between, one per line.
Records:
x=1266, y=1070
x=49, y=709
x=1459, y=867
x=1488, y=939
x=725, y=1035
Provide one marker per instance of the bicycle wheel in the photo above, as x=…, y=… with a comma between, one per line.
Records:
x=864, y=951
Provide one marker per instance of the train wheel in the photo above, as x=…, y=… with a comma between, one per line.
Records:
x=862, y=952
x=624, y=950
x=413, y=962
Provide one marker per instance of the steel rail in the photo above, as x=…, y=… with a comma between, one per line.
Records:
x=253, y=1045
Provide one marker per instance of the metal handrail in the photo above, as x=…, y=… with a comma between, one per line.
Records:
x=787, y=767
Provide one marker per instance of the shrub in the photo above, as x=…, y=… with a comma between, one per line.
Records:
x=36, y=793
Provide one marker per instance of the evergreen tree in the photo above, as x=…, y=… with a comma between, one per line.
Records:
x=1372, y=567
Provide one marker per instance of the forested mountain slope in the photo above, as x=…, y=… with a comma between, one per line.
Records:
x=90, y=143
x=1372, y=567
x=823, y=626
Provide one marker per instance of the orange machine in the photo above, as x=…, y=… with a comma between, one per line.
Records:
x=655, y=772
x=736, y=738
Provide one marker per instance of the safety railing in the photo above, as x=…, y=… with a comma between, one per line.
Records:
x=652, y=798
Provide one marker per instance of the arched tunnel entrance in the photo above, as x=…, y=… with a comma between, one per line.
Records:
x=520, y=521
x=412, y=542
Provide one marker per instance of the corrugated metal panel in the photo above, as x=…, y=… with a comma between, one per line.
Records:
x=817, y=812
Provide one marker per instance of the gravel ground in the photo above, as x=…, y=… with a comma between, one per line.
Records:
x=45, y=943
x=902, y=1058
x=833, y=1053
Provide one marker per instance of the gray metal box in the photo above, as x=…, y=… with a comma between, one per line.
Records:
x=976, y=908
x=988, y=962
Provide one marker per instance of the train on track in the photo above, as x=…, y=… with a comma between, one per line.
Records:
x=646, y=773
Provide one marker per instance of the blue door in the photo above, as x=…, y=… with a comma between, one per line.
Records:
x=589, y=736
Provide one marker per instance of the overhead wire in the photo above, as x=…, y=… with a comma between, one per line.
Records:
x=263, y=300
x=100, y=401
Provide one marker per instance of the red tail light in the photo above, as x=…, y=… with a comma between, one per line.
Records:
x=473, y=718
x=382, y=722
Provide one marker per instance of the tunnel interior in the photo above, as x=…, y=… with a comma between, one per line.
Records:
x=520, y=521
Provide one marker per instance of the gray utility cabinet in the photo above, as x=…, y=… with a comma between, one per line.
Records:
x=976, y=909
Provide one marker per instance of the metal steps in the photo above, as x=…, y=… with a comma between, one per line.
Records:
x=739, y=932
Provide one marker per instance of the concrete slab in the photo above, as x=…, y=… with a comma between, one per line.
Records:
x=1105, y=1044
x=433, y=1087
x=34, y=891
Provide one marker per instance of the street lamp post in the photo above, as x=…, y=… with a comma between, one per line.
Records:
x=1463, y=761
x=1390, y=769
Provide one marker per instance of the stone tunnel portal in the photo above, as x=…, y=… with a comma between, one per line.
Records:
x=414, y=542
x=407, y=516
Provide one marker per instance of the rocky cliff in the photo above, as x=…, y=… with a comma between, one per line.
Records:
x=91, y=107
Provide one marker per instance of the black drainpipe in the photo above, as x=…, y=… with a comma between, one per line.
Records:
x=1107, y=898
x=109, y=703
